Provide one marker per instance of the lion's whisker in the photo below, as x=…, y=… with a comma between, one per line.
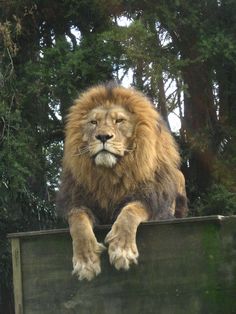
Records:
x=128, y=150
x=82, y=151
x=85, y=149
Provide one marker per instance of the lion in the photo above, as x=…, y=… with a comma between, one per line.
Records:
x=120, y=167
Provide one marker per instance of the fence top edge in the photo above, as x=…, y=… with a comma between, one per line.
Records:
x=213, y=219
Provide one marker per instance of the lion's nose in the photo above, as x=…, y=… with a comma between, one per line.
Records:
x=104, y=137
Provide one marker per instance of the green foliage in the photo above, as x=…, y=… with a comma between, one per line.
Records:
x=219, y=44
x=218, y=200
x=19, y=168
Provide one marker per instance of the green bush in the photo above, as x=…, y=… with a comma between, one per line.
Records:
x=218, y=200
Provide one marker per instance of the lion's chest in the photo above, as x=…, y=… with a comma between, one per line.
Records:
x=106, y=202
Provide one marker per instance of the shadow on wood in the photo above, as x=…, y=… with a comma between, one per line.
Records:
x=185, y=266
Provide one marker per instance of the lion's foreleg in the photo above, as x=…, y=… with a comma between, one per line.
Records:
x=86, y=249
x=122, y=238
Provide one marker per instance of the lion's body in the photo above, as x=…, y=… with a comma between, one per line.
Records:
x=148, y=173
x=119, y=155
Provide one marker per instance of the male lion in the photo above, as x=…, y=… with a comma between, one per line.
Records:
x=120, y=166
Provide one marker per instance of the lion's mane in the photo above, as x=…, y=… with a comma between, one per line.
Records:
x=148, y=172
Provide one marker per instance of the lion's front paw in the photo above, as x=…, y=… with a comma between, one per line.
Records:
x=86, y=259
x=122, y=247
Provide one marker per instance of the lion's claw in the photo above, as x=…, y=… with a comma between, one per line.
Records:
x=122, y=258
x=87, y=264
x=122, y=249
x=86, y=270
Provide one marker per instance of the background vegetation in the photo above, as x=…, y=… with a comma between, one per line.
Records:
x=182, y=54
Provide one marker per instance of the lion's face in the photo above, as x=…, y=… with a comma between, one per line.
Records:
x=107, y=133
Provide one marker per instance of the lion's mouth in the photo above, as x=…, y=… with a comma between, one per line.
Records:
x=105, y=158
x=105, y=151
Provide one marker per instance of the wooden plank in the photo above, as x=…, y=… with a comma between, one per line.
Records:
x=17, y=275
x=106, y=227
x=185, y=267
x=36, y=233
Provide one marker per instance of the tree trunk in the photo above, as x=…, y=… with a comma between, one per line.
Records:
x=199, y=120
x=162, y=99
x=226, y=77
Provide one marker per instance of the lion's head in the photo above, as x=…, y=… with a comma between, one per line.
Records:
x=115, y=135
x=107, y=133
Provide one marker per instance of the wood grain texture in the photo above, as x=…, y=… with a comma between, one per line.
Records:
x=17, y=278
x=185, y=267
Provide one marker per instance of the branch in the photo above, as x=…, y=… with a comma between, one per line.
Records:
x=166, y=89
x=11, y=63
x=171, y=94
x=3, y=129
x=72, y=38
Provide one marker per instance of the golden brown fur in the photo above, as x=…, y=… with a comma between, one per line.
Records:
x=120, y=164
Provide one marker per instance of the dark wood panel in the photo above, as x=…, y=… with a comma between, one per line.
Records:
x=185, y=267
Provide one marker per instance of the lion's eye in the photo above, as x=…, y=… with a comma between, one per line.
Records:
x=93, y=122
x=119, y=120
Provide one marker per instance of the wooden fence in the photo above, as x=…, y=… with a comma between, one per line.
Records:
x=186, y=266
